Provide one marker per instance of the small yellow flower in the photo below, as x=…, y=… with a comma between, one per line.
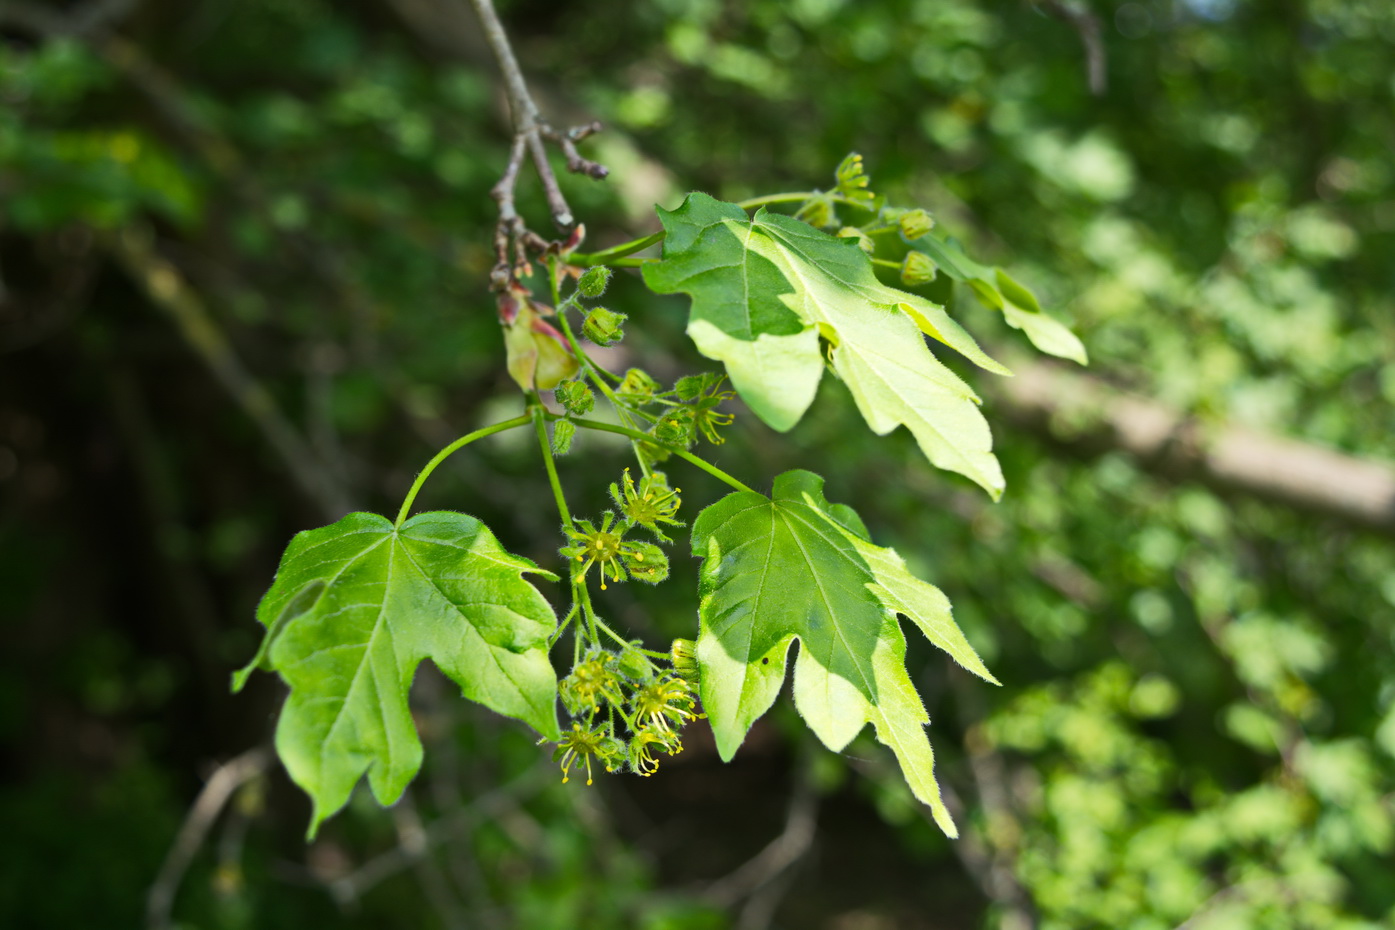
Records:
x=584, y=743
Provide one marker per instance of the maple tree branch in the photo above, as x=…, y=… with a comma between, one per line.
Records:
x=1082, y=412
x=531, y=133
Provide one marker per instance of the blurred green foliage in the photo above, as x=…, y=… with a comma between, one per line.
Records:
x=1197, y=723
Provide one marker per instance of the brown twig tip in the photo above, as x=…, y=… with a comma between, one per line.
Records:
x=530, y=135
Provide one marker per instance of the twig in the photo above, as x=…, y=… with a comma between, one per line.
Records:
x=353, y=886
x=762, y=869
x=989, y=858
x=211, y=800
x=531, y=131
x=86, y=20
x=168, y=290
x=1087, y=26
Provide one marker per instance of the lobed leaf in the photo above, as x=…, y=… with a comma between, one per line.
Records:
x=766, y=289
x=1000, y=291
x=792, y=566
x=356, y=607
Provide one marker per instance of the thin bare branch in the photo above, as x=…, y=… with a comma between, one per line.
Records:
x=491, y=804
x=531, y=133
x=764, y=868
x=1087, y=26
x=211, y=800
x=170, y=291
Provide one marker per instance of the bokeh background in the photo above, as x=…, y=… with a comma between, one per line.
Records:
x=244, y=248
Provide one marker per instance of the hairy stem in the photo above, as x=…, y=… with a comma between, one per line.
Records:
x=445, y=453
x=539, y=415
x=683, y=454
x=608, y=256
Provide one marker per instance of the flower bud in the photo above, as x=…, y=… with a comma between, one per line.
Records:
x=917, y=269
x=645, y=562
x=563, y=431
x=538, y=356
x=683, y=656
x=638, y=387
x=594, y=281
x=915, y=223
x=634, y=665
x=575, y=397
x=675, y=428
x=604, y=327
x=817, y=211
x=864, y=241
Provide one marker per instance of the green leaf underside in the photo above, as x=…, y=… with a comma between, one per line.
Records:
x=766, y=289
x=1000, y=291
x=356, y=607
x=792, y=566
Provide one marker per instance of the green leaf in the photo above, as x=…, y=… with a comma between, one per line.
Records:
x=793, y=566
x=355, y=608
x=1000, y=291
x=765, y=290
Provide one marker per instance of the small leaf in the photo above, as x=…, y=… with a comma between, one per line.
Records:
x=792, y=566
x=999, y=291
x=355, y=608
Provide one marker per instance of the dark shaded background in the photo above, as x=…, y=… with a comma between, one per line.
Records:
x=243, y=260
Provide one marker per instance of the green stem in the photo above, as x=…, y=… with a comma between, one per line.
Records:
x=684, y=454
x=587, y=611
x=790, y=197
x=887, y=263
x=445, y=454
x=608, y=256
x=539, y=415
x=799, y=196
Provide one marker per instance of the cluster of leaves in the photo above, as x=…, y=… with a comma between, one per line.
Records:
x=776, y=300
x=767, y=291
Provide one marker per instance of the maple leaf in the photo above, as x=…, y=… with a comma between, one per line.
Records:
x=355, y=608
x=765, y=291
x=793, y=566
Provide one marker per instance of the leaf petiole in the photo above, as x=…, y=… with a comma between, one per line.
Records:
x=539, y=415
x=445, y=453
x=608, y=256
x=684, y=454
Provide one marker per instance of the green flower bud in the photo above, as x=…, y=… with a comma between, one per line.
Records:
x=915, y=223
x=645, y=562
x=917, y=269
x=691, y=387
x=852, y=180
x=594, y=281
x=563, y=431
x=604, y=327
x=634, y=665
x=637, y=386
x=864, y=241
x=817, y=211
x=675, y=428
x=683, y=656
x=575, y=397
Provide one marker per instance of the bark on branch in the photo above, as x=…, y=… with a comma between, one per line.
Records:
x=1082, y=412
x=531, y=133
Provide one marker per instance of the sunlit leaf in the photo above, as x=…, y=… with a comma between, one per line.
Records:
x=355, y=608
x=765, y=290
x=792, y=566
